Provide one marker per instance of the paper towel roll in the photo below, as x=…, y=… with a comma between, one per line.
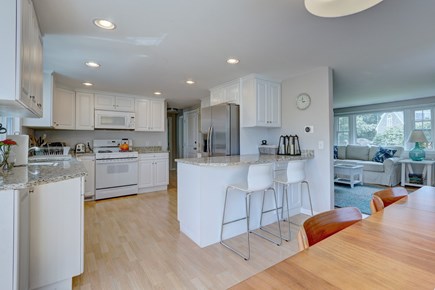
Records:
x=21, y=150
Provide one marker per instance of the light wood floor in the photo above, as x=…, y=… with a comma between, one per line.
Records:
x=134, y=242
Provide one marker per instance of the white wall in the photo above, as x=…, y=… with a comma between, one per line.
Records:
x=72, y=137
x=250, y=138
x=318, y=84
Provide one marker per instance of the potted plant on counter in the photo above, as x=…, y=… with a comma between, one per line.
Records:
x=7, y=157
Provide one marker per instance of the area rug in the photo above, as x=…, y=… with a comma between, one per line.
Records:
x=359, y=196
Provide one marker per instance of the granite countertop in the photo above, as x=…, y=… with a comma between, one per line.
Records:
x=84, y=154
x=140, y=150
x=244, y=159
x=33, y=175
x=149, y=149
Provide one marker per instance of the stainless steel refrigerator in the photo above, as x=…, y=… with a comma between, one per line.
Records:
x=220, y=128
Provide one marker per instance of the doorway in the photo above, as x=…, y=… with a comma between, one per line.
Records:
x=190, y=140
x=172, y=139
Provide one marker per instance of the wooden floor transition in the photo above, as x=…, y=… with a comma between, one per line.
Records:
x=134, y=242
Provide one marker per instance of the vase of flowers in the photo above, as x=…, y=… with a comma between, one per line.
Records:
x=8, y=157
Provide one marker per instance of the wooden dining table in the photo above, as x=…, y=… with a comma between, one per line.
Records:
x=392, y=249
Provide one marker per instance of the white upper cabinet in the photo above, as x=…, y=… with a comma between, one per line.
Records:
x=150, y=115
x=226, y=93
x=84, y=111
x=64, y=103
x=21, y=60
x=114, y=103
x=64, y=109
x=47, y=117
x=260, y=102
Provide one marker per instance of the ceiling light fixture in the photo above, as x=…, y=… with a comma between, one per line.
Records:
x=338, y=8
x=190, y=82
x=88, y=84
x=105, y=24
x=233, y=61
x=157, y=93
x=92, y=64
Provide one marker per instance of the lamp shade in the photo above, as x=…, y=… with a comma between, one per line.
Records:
x=338, y=8
x=417, y=136
x=417, y=153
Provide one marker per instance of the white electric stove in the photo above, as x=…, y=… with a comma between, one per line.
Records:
x=116, y=171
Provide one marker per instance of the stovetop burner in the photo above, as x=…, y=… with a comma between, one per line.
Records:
x=109, y=149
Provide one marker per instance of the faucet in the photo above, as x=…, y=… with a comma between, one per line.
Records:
x=34, y=149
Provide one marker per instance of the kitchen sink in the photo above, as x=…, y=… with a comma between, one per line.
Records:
x=44, y=163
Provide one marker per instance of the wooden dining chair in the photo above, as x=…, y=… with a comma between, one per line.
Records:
x=386, y=197
x=325, y=224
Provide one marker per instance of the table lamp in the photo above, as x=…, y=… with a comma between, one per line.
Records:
x=417, y=153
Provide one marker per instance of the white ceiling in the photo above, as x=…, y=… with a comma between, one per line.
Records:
x=384, y=53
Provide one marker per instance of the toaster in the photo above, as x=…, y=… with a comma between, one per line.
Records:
x=80, y=148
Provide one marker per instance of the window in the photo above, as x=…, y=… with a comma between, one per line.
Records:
x=389, y=125
x=423, y=121
x=383, y=128
x=377, y=128
x=343, y=131
x=11, y=124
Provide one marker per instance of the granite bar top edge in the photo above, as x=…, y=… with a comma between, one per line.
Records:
x=242, y=159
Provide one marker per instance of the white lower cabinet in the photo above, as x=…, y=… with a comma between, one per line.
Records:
x=14, y=239
x=153, y=172
x=56, y=234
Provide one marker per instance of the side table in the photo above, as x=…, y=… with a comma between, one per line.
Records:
x=345, y=173
x=408, y=167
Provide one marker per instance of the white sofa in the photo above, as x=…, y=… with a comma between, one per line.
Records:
x=385, y=173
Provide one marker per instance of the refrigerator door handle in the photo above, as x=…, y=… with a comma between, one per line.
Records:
x=210, y=130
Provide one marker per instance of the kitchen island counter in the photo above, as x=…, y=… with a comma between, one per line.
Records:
x=201, y=185
x=245, y=159
x=33, y=175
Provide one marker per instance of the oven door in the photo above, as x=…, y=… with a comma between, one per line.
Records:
x=111, y=173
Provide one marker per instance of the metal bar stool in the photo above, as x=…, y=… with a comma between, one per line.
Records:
x=259, y=179
x=295, y=174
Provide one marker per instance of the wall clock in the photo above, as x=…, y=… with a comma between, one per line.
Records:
x=303, y=101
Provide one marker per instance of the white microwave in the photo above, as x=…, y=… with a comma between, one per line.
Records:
x=114, y=120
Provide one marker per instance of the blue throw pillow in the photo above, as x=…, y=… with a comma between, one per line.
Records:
x=335, y=152
x=383, y=154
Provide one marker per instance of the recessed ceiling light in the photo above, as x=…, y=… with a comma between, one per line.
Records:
x=92, y=64
x=157, y=93
x=105, y=24
x=233, y=61
x=190, y=82
x=338, y=8
x=88, y=84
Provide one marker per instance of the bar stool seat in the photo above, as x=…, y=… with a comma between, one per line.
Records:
x=259, y=180
x=295, y=174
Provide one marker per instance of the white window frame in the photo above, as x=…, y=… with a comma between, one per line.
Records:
x=12, y=125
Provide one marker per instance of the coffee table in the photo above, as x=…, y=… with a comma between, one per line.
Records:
x=346, y=173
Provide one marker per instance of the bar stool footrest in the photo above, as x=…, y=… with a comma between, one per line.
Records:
x=234, y=250
x=267, y=238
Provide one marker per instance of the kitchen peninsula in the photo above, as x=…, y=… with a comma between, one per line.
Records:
x=201, y=192
x=41, y=221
